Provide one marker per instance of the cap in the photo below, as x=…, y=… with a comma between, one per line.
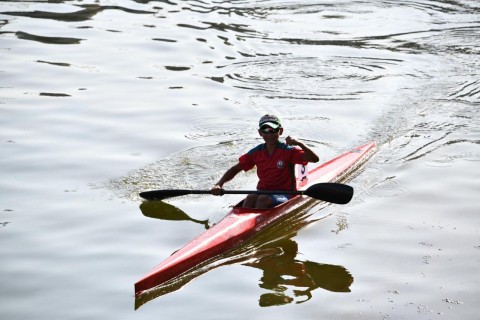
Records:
x=270, y=120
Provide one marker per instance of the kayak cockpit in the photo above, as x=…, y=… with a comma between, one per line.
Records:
x=240, y=209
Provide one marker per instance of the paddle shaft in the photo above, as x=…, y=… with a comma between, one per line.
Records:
x=331, y=192
x=164, y=194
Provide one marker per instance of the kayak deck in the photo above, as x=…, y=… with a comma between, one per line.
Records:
x=241, y=223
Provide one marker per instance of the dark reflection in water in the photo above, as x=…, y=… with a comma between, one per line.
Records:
x=288, y=280
x=281, y=271
x=240, y=28
x=76, y=16
x=165, y=211
x=59, y=64
x=48, y=40
x=54, y=94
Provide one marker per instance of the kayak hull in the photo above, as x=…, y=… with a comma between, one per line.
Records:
x=240, y=223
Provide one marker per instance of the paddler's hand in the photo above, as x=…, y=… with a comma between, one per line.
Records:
x=217, y=190
x=309, y=155
x=291, y=141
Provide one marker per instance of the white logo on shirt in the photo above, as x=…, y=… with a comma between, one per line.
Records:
x=280, y=164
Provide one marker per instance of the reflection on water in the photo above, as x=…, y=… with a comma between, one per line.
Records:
x=165, y=211
x=77, y=16
x=292, y=280
x=2, y=215
x=49, y=40
x=286, y=278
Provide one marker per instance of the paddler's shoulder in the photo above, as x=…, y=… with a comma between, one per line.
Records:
x=258, y=148
x=284, y=146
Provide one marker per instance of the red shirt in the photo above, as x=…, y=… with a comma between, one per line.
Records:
x=276, y=171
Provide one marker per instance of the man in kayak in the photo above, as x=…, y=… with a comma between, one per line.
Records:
x=275, y=163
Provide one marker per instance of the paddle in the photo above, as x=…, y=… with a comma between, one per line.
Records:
x=330, y=192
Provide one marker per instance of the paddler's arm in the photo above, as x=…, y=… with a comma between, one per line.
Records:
x=229, y=175
x=309, y=155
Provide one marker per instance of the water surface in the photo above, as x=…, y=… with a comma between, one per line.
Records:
x=102, y=99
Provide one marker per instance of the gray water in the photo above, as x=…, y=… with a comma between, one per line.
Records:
x=102, y=99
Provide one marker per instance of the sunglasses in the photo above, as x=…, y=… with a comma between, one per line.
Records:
x=267, y=130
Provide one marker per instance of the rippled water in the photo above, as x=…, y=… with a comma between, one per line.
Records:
x=102, y=99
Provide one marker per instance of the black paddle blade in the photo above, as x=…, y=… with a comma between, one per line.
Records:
x=331, y=192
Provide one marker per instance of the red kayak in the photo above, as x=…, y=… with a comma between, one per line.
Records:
x=240, y=224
